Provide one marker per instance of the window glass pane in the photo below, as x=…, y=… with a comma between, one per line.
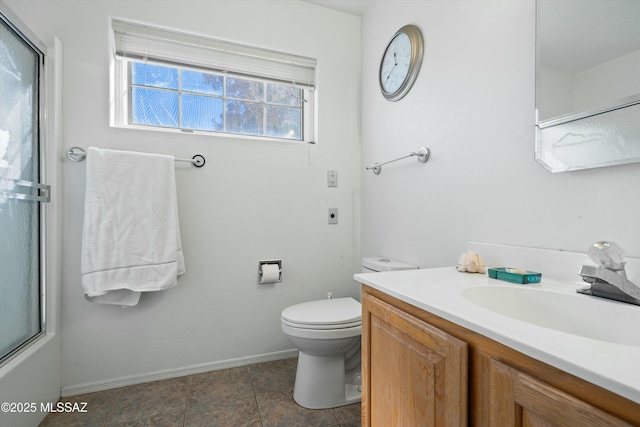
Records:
x=244, y=117
x=208, y=101
x=154, y=75
x=286, y=95
x=250, y=90
x=194, y=81
x=154, y=107
x=284, y=122
x=202, y=112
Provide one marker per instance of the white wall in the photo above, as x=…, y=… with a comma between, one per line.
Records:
x=252, y=200
x=473, y=106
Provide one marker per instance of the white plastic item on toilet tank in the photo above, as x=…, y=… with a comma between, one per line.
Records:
x=377, y=264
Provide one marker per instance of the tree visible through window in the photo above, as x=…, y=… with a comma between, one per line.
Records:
x=182, y=98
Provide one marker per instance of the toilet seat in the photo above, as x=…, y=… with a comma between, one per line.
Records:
x=321, y=327
x=338, y=313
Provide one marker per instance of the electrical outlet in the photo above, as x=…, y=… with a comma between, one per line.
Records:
x=333, y=215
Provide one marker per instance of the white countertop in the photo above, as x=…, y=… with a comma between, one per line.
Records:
x=615, y=367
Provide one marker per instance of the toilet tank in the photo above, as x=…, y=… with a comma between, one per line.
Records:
x=377, y=264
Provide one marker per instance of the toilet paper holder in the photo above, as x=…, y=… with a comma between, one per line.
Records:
x=261, y=273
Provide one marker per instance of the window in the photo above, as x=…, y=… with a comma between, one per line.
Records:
x=171, y=80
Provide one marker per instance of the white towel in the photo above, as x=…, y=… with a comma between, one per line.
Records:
x=131, y=239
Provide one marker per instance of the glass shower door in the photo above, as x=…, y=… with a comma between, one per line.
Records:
x=21, y=193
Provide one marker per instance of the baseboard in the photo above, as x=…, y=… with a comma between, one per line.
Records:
x=74, y=390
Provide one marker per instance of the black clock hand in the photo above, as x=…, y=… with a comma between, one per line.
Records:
x=395, y=63
x=389, y=75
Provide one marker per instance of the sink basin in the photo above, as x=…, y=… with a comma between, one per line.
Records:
x=572, y=313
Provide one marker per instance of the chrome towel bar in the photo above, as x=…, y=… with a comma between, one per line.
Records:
x=422, y=154
x=78, y=154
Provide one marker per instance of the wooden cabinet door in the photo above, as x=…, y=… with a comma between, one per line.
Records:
x=517, y=399
x=413, y=373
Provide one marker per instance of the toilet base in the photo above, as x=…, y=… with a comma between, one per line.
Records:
x=321, y=383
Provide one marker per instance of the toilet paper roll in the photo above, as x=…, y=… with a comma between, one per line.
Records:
x=270, y=273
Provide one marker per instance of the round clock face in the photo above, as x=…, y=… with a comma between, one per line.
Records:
x=401, y=62
x=395, y=63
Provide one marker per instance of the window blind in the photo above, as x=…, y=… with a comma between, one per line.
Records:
x=144, y=42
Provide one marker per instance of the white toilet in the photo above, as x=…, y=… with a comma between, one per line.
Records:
x=327, y=334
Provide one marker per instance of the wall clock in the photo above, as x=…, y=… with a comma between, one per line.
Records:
x=401, y=62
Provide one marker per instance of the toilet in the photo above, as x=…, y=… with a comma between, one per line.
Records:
x=327, y=334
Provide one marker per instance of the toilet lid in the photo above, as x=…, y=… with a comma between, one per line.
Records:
x=339, y=311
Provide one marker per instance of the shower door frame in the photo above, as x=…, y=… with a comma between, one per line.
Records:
x=41, y=188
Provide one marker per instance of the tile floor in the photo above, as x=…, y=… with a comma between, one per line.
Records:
x=259, y=395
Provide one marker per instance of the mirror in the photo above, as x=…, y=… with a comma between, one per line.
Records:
x=587, y=83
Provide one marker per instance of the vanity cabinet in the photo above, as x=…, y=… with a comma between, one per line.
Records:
x=518, y=399
x=422, y=370
x=414, y=374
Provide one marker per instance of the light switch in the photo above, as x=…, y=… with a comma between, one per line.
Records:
x=332, y=178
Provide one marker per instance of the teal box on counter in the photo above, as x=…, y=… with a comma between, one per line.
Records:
x=515, y=275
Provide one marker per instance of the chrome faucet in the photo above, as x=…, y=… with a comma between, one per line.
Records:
x=608, y=279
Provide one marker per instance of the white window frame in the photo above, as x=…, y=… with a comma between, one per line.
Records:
x=120, y=114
